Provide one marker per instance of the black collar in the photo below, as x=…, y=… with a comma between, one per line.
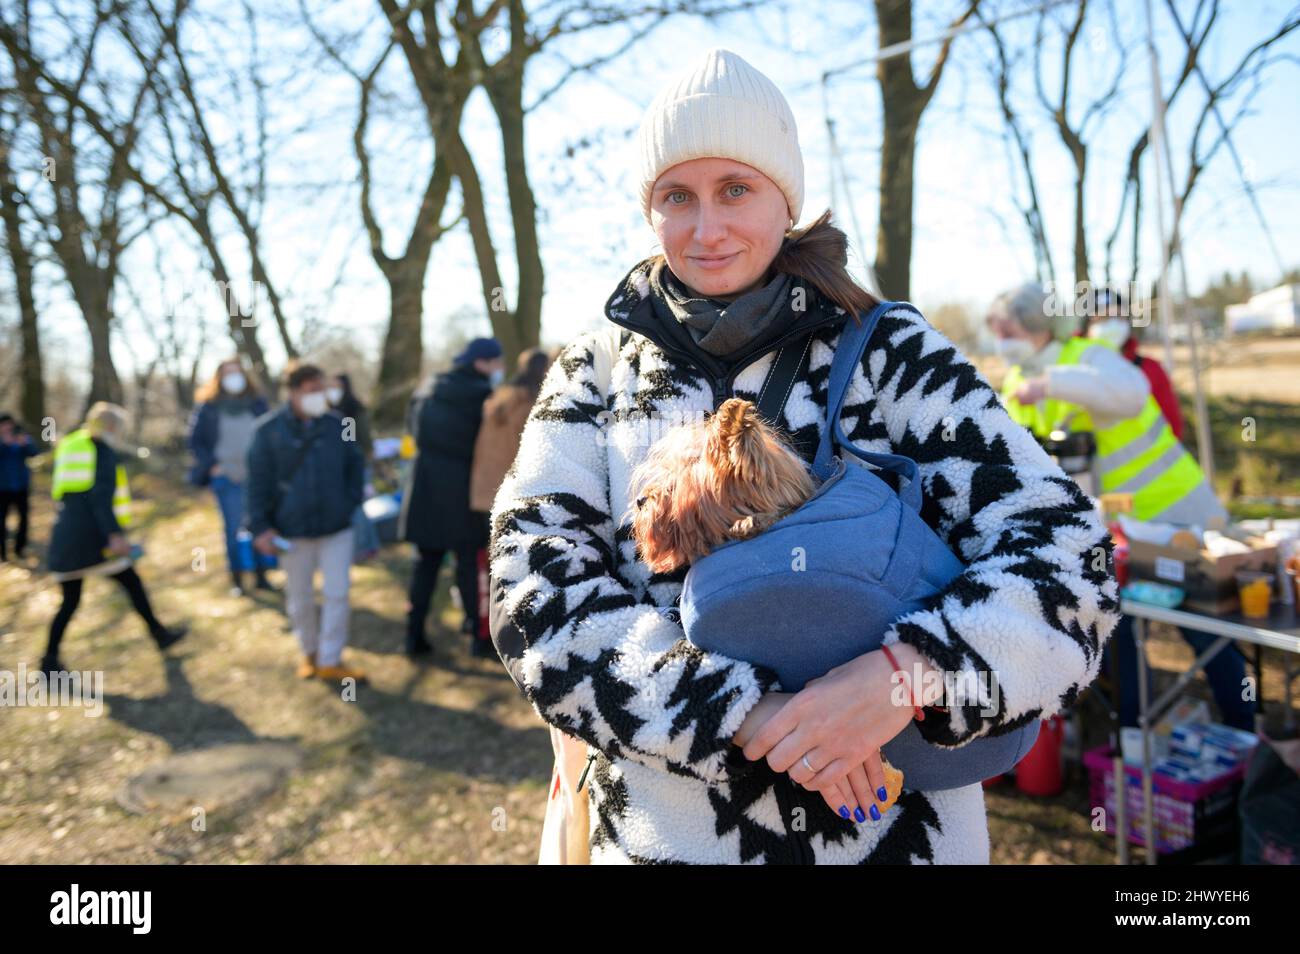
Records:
x=630, y=307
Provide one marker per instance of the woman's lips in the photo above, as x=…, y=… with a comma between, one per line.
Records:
x=713, y=264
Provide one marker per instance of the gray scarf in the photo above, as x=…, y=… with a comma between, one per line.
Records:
x=724, y=328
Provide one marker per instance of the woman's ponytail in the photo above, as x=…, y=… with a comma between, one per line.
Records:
x=818, y=254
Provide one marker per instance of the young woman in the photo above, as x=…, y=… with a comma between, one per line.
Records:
x=221, y=431
x=696, y=753
x=504, y=415
x=94, y=508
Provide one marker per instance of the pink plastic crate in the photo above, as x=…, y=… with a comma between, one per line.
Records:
x=1183, y=813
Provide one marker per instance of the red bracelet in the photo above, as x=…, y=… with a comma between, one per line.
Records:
x=918, y=713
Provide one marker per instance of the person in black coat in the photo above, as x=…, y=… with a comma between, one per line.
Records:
x=444, y=417
x=88, y=539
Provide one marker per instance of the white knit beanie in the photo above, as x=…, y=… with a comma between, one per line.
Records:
x=724, y=108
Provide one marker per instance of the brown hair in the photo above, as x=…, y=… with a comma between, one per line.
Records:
x=299, y=373
x=818, y=253
x=533, y=365
x=211, y=389
x=727, y=477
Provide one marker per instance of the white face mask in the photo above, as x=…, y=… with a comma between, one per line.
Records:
x=334, y=395
x=497, y=376
x=1015, y=350
x=314, y=404
x=1113, y=331
x=234, y=382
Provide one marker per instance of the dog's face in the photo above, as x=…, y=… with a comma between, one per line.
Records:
x=728, y=477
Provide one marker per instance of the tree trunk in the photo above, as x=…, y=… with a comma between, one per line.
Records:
x=105, y=385
x=32, y=402
x=894, y=233
x=399, y=366
x=903, y=102
x=523, y=328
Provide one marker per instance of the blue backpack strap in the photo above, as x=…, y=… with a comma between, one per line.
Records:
x=848, y=355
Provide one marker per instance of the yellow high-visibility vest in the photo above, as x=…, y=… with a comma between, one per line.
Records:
x=1139, y=455
x=74, y=473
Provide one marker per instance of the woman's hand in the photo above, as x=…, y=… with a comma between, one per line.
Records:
x=118, y=545
x=838, y=795
x=763, y=710
x=839, y=721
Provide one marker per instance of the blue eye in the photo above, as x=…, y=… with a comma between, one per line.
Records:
x=736, y=185
x=671, y=194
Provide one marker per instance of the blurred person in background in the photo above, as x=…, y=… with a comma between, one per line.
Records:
x=349, y=407
x=436, y=516
x=504, y=416
x=16, y=447
x=305, y=481
x=1107, y=322
x=1085, y=383
x=220, y=433
x=89, y=537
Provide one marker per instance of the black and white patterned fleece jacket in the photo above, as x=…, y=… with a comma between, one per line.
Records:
x=580, y=621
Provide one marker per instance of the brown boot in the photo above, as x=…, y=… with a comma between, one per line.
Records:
x=339, y=673
x=307, y=667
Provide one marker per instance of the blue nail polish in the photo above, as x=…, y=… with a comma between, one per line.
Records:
x=875, y=813
x=857, y=813
x=844, y=811
x=882, y=793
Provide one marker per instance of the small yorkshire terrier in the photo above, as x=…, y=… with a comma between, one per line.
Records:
x=728, y=477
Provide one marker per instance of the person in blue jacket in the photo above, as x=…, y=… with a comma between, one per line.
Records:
x=305, y=479
x=15, y=482
x=221, y=431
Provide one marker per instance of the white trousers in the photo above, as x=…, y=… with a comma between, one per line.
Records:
x=322, y=633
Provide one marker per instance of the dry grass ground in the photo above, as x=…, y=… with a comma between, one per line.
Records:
x=440, y=763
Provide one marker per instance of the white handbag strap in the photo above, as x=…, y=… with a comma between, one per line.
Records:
x=604, y=354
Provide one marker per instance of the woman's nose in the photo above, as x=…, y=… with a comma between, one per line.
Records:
x=710, y=225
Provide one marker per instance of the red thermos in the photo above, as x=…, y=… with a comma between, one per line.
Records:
x=1039, y=772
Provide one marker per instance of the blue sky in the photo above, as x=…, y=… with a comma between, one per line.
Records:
x=969, y=243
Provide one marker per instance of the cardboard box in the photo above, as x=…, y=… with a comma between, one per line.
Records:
x=1210, y=582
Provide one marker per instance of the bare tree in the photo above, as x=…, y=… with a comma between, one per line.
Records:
x=1201, y=146
x=1031, y=210
x=451, y=83
x=903, y=101
x=1074, y=135
x=202, y=138
x=12, y=201
x=91, y=224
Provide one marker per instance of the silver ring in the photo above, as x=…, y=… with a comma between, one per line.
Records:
x=806, y=765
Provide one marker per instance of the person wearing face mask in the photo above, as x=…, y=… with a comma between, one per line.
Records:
x=356, y=421
x=1086, y=383
x=436, y=515
x=305, y=479
x=89, y=538
x=1106, y=324
x=220, y=432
